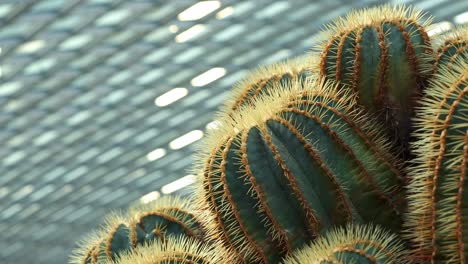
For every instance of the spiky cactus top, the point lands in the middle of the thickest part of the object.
(261, 81)
(277, 174)
(353, 244)
(438, 202)
(451, 46)
(178, 250)
(383, 55)
(167, 216)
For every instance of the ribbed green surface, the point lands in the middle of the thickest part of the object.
(384, 61)
(156, 221)
(451, 46)
(438, 210)
(310, 166)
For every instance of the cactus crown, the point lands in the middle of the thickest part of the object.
(261, 80)
(352, 244)
(177, 250)
(437, 187)
(88, 250)
(373, 17)
(167, 216)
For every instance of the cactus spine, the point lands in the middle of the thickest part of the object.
(451, 46)
(264, 78)
(382, 54)
(167, 216)
(353, 244)
(298, 162)
(177, 250)
(438, 208)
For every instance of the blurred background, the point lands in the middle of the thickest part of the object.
(102, 101)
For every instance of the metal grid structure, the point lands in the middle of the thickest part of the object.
(80, 132)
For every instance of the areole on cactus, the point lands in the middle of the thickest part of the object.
(302, 160)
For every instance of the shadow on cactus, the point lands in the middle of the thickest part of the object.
(167, 216)
(301, 160)
(353, 244)
(438, 209)
(383, 54)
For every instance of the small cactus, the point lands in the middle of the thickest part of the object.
(353, 244)
(175, 250)
(299, 161)
(383, 55)
(167, 216)
(450, 46)
(438, 209)
(261, 80)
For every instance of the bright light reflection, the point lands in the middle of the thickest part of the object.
(198, 10)
(178, 184)
(225, 12)
(156, 154)
(173, 28)
(186, 139)
(170, 97)
(190, 33)
(213, 125)
(438, 28)
(208, 76)
(461, 18)
(150, 197)
(31, 46)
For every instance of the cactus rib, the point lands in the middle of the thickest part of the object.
(295, 162)
(352, 244)
(178, 249)
(436, 193)
(383, 54)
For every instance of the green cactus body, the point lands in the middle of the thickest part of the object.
(382, 54)
(438, 207)
(167, 216)
(261, 80)
(352, 244)
(451, 46)
(178, 250)
(275, 175)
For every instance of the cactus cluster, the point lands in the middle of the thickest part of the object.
(354, 153)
